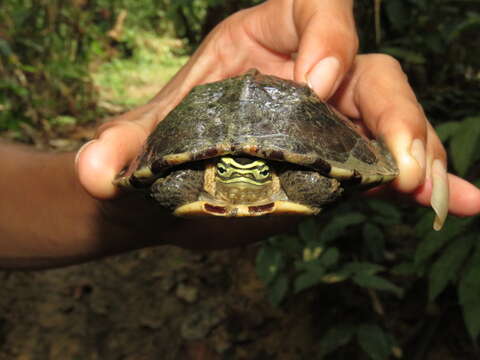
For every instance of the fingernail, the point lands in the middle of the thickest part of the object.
(417, 150)
(323, 78)
(439, 199)
(77, 156)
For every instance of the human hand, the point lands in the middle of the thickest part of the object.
(265, 37)
(389, 110)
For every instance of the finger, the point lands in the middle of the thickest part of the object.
(390, 110)
(464, 196)
(318, 30)
(328, 43)
(320, 33)
(117, 143)
(99, 161)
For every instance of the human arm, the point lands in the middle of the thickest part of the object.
(47, 219)
(42, 209)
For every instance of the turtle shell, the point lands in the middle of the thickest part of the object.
(266, 117)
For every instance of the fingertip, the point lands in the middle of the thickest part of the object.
(328, 44)
(98, 162)
(411, 172)
(464, 197)
(94, 172)
(325, 77)
(82, 148)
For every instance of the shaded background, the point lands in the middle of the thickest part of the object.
(363, 281)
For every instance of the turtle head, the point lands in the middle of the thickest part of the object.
(243, 180)
(243, 170)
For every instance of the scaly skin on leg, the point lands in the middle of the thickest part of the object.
(178, 188)
(309, 187)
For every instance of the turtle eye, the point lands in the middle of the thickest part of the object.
(221, 170)
(265, 173)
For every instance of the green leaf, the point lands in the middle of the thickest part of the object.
(312, 265)
(471, 21)
(385, 209)
(357, 267)
(308, 279)
(335, 277)
(28, 68)
(335, 338)
(374, 241)
(404, 269)
(330, 257)
(339, 224)
(286, 243)
(435, 240)
(383, 221)
(471, 316)
(447, 266)
(469, 286)
(434, 42)
(278, 289)
(308, 230)
(5, 48)
(311, 253)
(469, 295)
(373, 340)
(447, 130)
(377, 283)
(424, 225)
(268, 263)
(464, 145)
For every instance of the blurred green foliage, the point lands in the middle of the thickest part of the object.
(45, 48)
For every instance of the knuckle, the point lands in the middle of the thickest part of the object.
(347, 38)
(343, 42)
(442, 153)
(385, 60)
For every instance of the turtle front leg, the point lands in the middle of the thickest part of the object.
(309, 187)
(177, 188)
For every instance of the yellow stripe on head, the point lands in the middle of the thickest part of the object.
(231, 161)
(255, 172)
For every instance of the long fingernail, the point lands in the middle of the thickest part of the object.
(323, 78)
(439, 199)
(77, 156)
(417, 150)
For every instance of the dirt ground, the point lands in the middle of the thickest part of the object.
(163, 303)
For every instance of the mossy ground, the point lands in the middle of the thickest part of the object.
(133, 79)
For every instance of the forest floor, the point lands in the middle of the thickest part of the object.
(161, 303)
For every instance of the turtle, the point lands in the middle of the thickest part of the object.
(255, 145)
